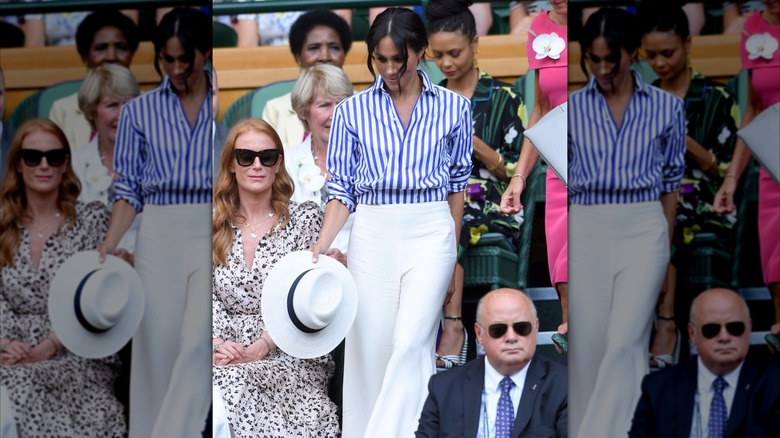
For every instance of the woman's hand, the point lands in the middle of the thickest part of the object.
(510, 200)
(43, 351)
(318, 248)
(724, 199)
(104, 248)
(125, 255)
(227, 352)
(14, 351)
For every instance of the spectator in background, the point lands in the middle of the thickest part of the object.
(53, 392)
(169, 380)
(317, 92)
(693, 10)
(763, 92)
(735, 13)
(102, 37)
(711, 127)
(103, 93)
(317, 37)
(483, 15)
(468, 400)
(267, 392)
(273, 28)
(521, 13)
(496, 111)
(724, 392)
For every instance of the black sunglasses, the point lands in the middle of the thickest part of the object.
(246, 157)
(55, 157)
(499, 329)
(735, 328)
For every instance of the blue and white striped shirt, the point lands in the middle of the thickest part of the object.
(159, 158)
(634, 163)
(374, 160)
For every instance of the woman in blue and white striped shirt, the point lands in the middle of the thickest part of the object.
(400, 157)
(163, 161)
(626, 159)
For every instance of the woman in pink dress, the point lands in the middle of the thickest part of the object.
(550, 90)
(761, 57)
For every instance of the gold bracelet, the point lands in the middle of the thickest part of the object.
(499, 163)
(713, 161)
(733, 175)
(521, 177)
(266, 343)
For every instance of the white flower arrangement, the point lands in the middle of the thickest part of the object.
(761, 45)
(724, 135)
(96, 175)
(548, 45)
(311, 177)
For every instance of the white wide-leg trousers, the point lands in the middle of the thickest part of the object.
(402, 257)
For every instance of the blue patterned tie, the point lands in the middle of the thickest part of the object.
(505, 413)
(716, 425)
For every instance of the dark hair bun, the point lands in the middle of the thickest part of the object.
(438, 9)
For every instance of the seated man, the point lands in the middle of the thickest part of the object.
(723, 393)
(509, 392)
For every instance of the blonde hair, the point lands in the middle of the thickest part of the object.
(105, 80)
(13, 196)
(226, 199)
(329, 80)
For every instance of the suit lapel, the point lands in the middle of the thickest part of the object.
(686, 395)
(472, 397)
(532, 387)
(745, 384)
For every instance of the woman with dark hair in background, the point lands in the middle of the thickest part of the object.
(626, 159)
(498, 133)
(53, 392)
(400, 157)
(102, 37)
(710, 114)
(163, 164)
(317, 37)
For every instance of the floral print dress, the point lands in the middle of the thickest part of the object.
(712, 116)
(67, 395)
(278, 396)
(498, 113)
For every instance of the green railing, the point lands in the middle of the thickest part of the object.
(44, 7)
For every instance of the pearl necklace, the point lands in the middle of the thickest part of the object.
(254, 234)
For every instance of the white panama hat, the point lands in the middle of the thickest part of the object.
(94, 307)
(308, 308)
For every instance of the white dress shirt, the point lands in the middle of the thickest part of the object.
(704, 393)
(491, 392)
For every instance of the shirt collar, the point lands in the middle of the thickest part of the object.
(166, 82)
(427, 85)
(640, 86)
(493, 378)
(706, 377)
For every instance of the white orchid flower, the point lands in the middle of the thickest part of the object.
(311, 176)
(761, 46)
(548, 45)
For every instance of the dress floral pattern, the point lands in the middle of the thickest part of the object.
(711, 116)
(278, 396)
(66, 395)
(498, 112)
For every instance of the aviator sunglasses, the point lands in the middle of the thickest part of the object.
(735, 328)
(246, 157)
(499, 329)
(33, 157)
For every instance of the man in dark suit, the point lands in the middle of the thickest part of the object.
(722, 393)
(471, 400)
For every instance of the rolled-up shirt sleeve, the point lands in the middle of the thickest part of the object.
(674, 150)
(342, 160)
(128, 160)
(461, 149)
